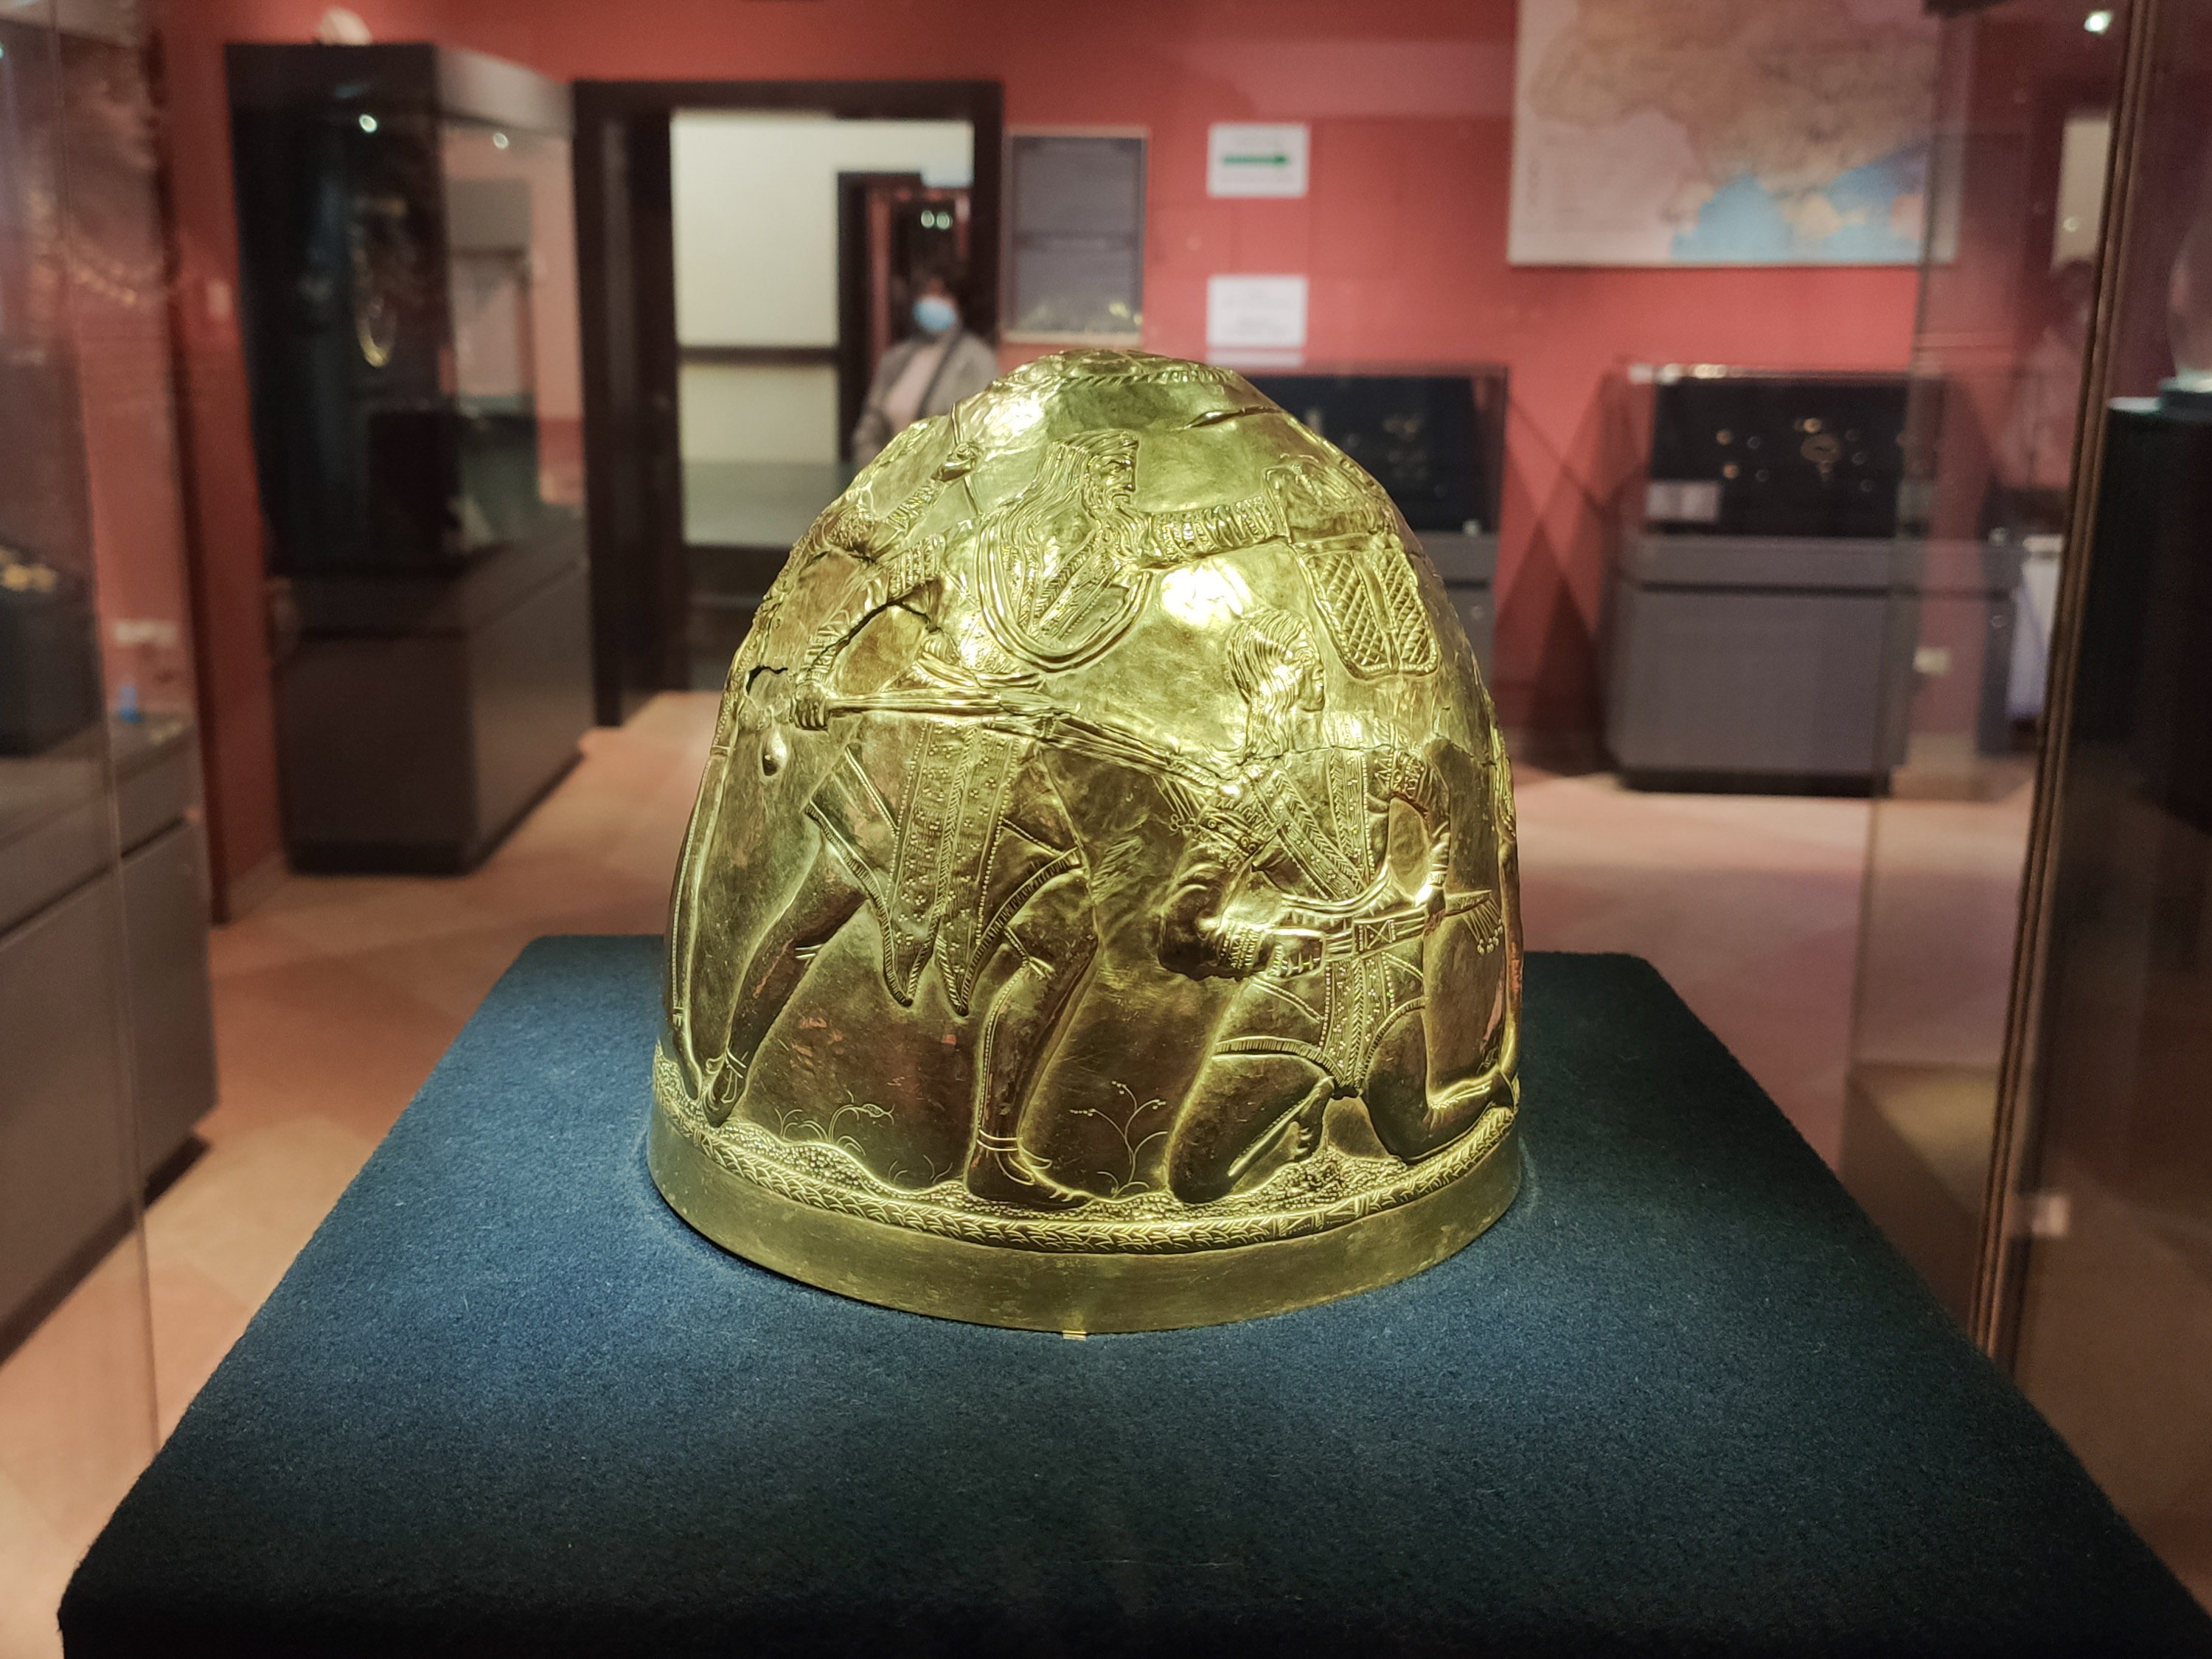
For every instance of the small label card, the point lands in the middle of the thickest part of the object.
(1250, 315)
(1682, 500)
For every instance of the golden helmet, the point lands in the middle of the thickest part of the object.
(1100, 911)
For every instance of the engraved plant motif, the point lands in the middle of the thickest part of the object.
(1125, 1127)
(806, 1128)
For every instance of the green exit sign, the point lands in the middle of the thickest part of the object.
(1243, 159)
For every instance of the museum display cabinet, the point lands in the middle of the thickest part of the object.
(104, 989)
(2002, 324)
(1434, 438)
(2100, 1278)
(2027, 1099)
(1771, 556)
(106, 1051)
(408, 263)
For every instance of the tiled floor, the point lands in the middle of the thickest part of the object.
(334, 999)
(1749, 905)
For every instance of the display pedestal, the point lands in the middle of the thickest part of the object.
(1788, 662)
(1681, 1398)
(64, 901)
(420, 718)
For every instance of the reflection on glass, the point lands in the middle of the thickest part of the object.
(2105, 1302)
(116, 264)
(411, 284)
(511, 293)
(2000, 340)
(2189, 297)
(81, 307)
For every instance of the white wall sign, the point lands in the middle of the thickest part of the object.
(1255, 160)
(1265, 314)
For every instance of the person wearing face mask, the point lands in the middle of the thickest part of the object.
(927, 372)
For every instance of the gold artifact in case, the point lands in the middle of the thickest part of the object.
(1101, 908)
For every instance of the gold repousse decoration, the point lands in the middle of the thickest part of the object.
(1101, 908)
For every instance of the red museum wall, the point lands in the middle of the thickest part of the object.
(1402, 235)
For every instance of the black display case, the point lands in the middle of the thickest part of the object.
(408, 259)
(1770, 575)
(2145, 688)
(49, 670)
(1435, 439)
(1739, 452)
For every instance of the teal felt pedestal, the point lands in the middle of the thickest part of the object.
(1682, 1399)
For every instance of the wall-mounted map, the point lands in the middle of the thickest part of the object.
(1720, 132)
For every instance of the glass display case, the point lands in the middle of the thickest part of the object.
(1737, 452)
(2026, 1114)
(2002, 325)
(2098, 1266)
(1759, 588)
(408, 259)
(106, 1044)
(409, 295)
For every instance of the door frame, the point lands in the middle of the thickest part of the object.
(626, 279)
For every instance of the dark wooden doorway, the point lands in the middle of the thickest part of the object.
(641, 571)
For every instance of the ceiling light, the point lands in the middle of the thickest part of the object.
(2097, 21)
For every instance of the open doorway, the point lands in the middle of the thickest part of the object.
(747, 253)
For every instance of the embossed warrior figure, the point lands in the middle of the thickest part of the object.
(1067, 564)
(946, 828)
(1289, 885)
(1058, 571)
(958, 843)
(946, 825)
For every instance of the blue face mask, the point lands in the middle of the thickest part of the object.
(934, 316)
